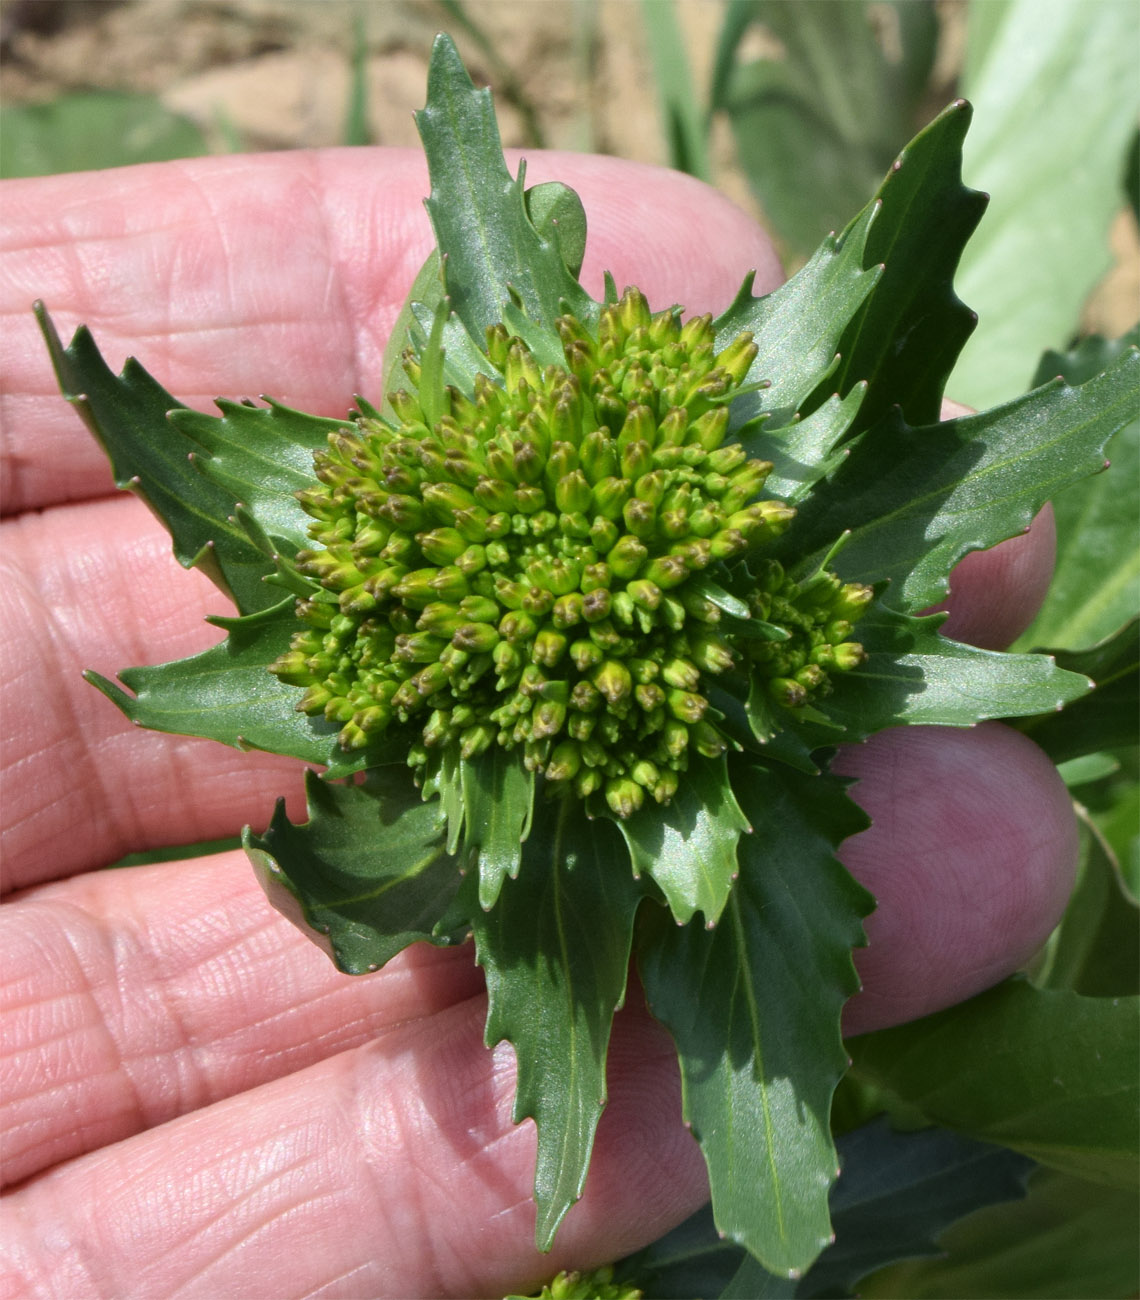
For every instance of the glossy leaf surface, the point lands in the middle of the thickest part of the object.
(227, 693)
(753, 1005)
(478, 211)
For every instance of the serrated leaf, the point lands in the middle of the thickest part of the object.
(754, 1008)
(797, 327)
(261, 456)
(1055, 89)
(127, 413)
(915, 676)
(498, 797)
(803, 452)
(477, 209)
(1096, 579)
(917, 500)
(1106, 717)
(228, 694)
(1044, 1071)
(906, 339)
(367, 874)
(689, 845)
(1068, 1240)
(555, 948)
(897, 1193)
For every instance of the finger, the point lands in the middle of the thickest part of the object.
(96, 587)
(284, 274)
(392, 1169)
(137, 995)
(995, 594)
(130, 997)
(971, 854)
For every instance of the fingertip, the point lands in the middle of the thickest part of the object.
(971, 855)
(995, 594)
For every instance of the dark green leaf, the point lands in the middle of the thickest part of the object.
(128, 414)
(908, 336)
(227, 693)
(689, 846)
(82, 131)
(1106, 717)
(754, 1007)
(1068, 1240)
(897, 1193)
(913, 676)
(490, 246)
(1096, 580)
(1044, 1071)
(367, 874)
(555, 948)
(1095, 950)
(917, 500)
(685, 127)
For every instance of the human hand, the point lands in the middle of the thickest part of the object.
(196, 1101)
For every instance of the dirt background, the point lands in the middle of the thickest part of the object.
(272, 74)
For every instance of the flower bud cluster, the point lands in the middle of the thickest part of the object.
(819, 615)
(518, 572)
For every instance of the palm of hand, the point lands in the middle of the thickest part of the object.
(196, 1099)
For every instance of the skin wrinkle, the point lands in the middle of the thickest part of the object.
(181, 981)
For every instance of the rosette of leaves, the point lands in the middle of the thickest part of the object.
(573, 619)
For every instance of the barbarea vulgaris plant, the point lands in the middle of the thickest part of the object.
(574, 619)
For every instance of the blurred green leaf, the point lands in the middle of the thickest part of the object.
(1055, 91)
(818, 120)
(1067, 1240)
(83, 132)
(1106, 716)
(685, 129)
(1095, 950)
(1044, 1071)
(1096, 582)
